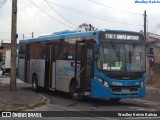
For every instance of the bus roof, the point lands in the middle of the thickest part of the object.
(70, 34)
(59, 36)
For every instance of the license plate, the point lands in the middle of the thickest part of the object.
(125, 90)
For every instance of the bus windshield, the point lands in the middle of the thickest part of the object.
(121, 57)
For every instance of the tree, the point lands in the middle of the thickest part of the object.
(86, 27)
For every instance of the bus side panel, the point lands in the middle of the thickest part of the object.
(64, 73)
(21, 69)
(37, 66)
(99, 90)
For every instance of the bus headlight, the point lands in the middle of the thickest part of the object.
(99, 79)
(105, 83)
(142, 83)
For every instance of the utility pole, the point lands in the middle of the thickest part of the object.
(145, 16)
(145, 29)
(32, 34)
(23, 36)
(13, 46)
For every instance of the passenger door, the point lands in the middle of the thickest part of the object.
(48, 66)
(84, 65)
(27, 63)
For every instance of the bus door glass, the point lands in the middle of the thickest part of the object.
(27, 63)
(84, 65)
(48, 65)
(88, 63)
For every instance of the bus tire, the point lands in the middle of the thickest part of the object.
(35, 83)
(74, 95)
(114, 100)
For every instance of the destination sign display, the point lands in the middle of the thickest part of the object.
(121, 36)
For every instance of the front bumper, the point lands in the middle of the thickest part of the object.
(98, 90)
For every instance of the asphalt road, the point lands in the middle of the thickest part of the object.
(88, 104)
(59, 101)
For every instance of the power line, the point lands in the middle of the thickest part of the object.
(104, 19)
(6, 35)
(59, 14)
(49, 14)
(113, 8)
(2, 3)
(83, 11)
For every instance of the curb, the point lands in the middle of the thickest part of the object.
(2, 84)
(58, 107)
(41, 102)
(31, 106)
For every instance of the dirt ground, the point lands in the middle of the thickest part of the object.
(153, 80)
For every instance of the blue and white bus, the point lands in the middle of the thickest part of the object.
(108, 64)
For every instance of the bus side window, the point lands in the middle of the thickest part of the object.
(22, 51)
(59, 47)
(43, 48)
(68, 51)
(56, 51)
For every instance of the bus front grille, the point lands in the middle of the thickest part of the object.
(122, 89)
(133, 94)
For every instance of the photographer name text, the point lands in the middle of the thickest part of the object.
(147, 1)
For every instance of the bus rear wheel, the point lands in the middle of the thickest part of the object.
(74, 94)
(35, 83)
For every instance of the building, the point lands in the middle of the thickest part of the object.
(153, 57)
(5, 47)
(153, 48)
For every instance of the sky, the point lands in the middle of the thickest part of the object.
(48, 16)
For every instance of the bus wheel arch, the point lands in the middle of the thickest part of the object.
(35, 82)
(74, 95)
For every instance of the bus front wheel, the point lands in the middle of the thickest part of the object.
(74, 94)
(35, 83)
